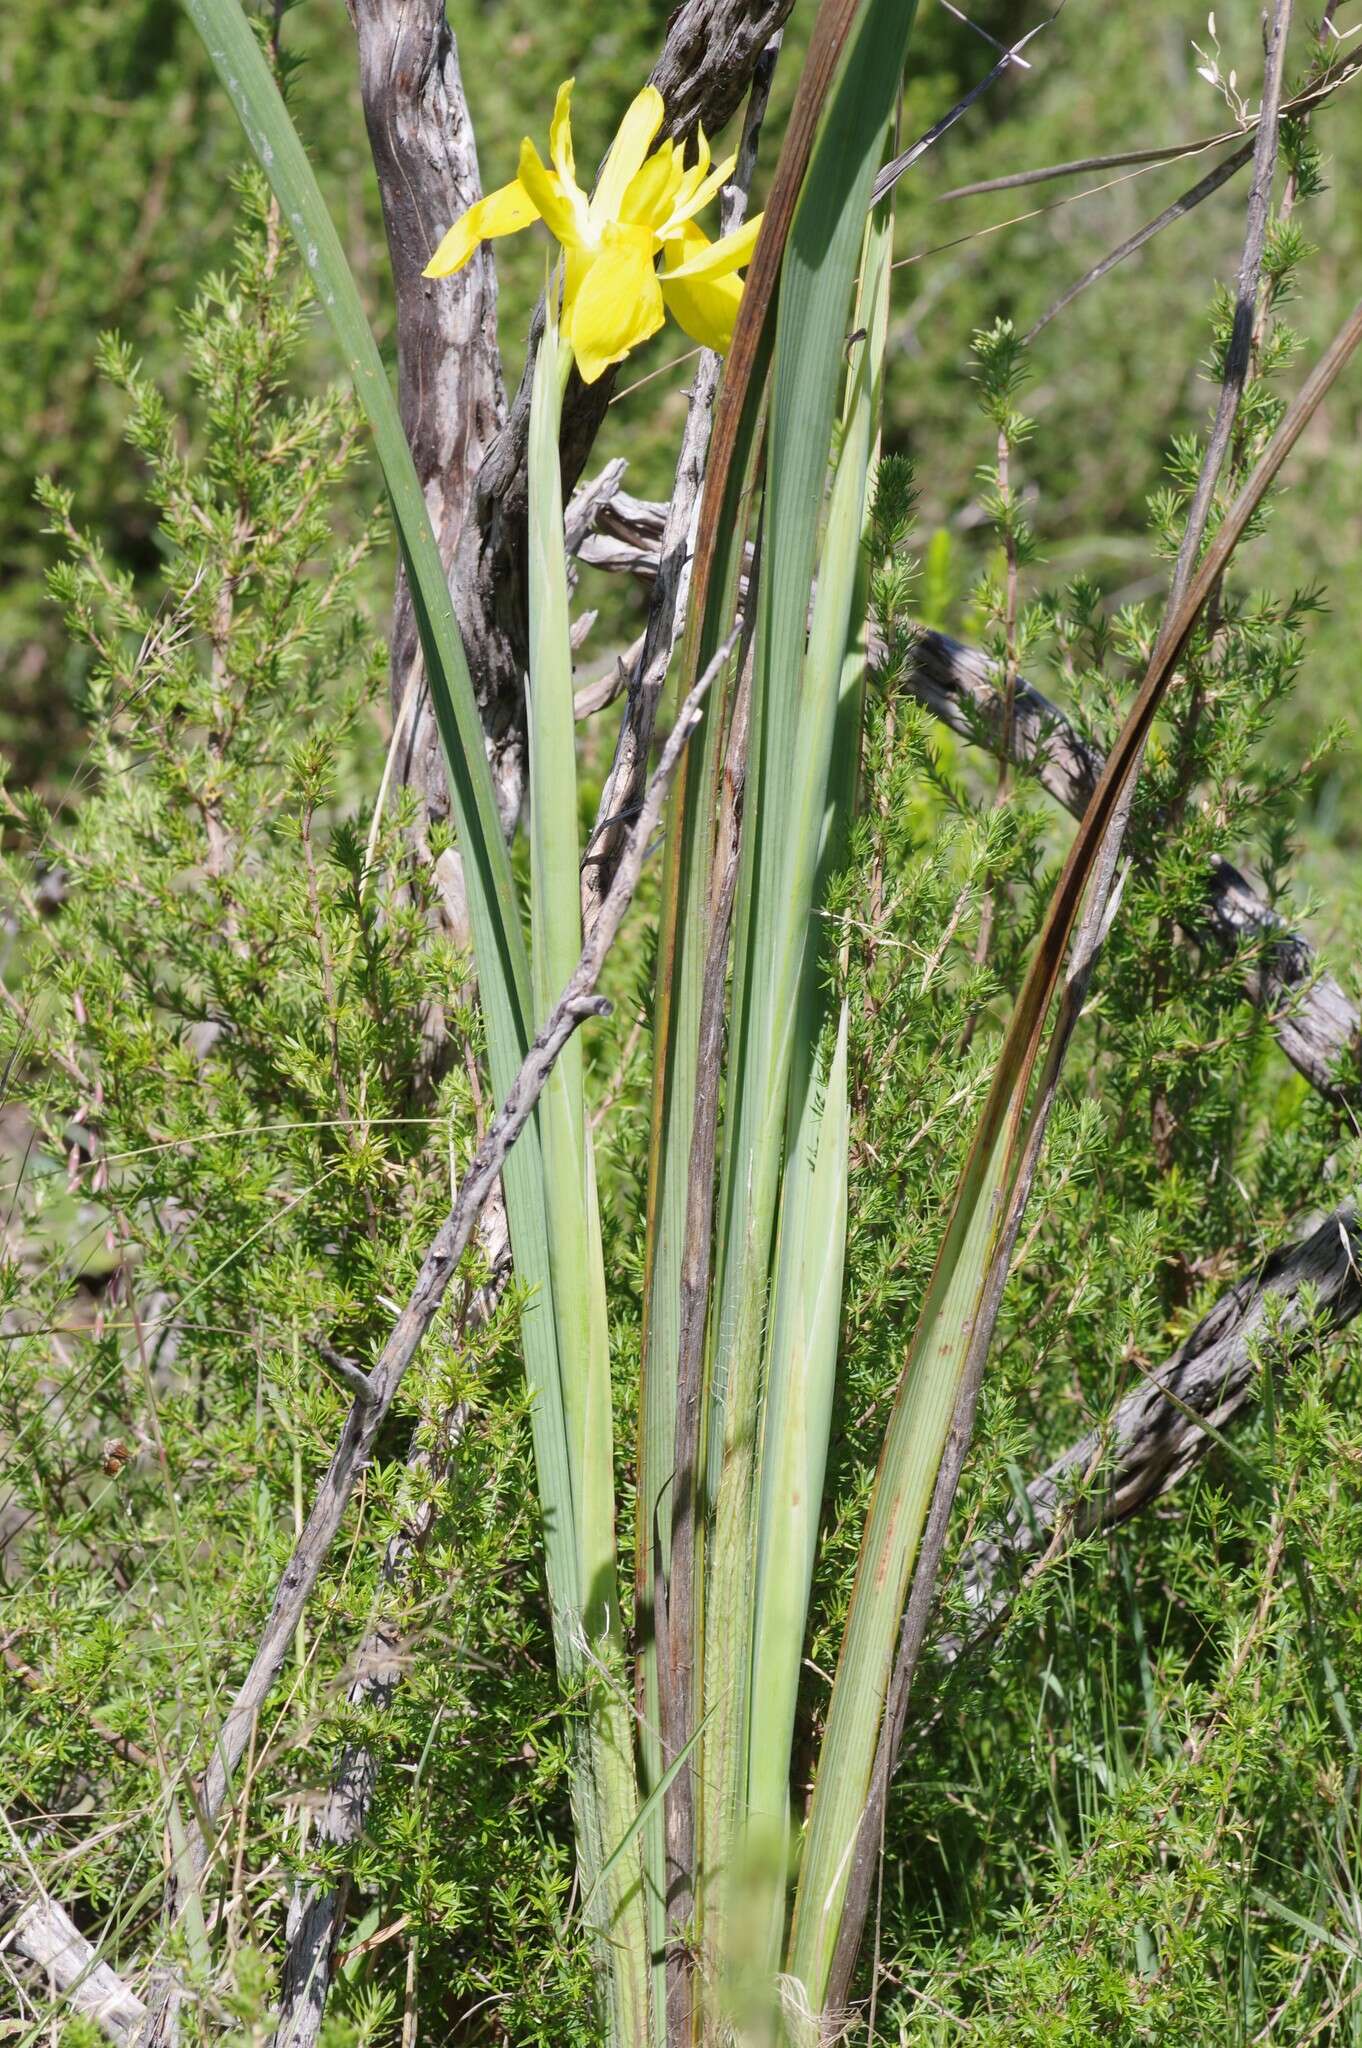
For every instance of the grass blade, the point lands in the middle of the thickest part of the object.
(806, 1303)
(499, 948)
(806, 1295)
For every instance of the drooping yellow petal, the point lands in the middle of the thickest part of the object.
(630, 146)
(649, 200)
(502, 212)
(560, 136)
(555, 205)
(617, 302)
(704, 306)
(702, 258)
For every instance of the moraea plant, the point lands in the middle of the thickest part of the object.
(688, 1845)
(643, 207)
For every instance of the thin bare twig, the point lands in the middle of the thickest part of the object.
(894, 170)
(1301, 103)
(1251, 150)
(577, 1002)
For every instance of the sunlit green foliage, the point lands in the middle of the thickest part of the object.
(240, 1074)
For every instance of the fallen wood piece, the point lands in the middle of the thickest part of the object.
(1155, 1436)
(1316, 1025)
(40, 1930)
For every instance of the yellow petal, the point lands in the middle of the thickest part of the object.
(560, 135)
(616, 303)
(577, 261)
(627, 151)
(648, 201)
(502, 212)
(553, 204)
(704, 307)
(702, 258)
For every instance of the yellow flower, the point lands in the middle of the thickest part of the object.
(643, 207)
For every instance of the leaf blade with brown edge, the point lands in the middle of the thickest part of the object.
(965, 1267)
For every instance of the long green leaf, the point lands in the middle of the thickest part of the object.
(806, 1305)
(794, 709)
(806, 1294)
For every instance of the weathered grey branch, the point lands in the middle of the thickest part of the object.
(1317, 1026)
(578, 1001)
(1154, 1437)
(449, 375)
(45, 1933)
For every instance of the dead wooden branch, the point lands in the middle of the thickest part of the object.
(450, 389)
(1303, 102)
(1317, 1026)
(42, 1931)
(1160, 1431)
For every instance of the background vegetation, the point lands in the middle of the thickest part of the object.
(1134, 1814)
